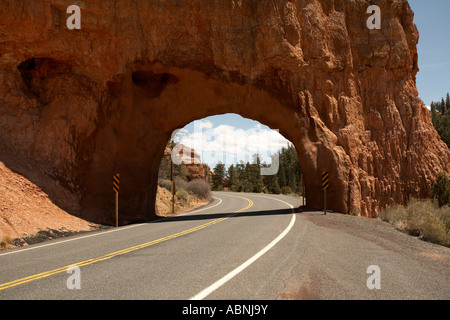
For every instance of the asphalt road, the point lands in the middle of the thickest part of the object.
(240, 246)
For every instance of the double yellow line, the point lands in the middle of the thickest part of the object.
(120, 252)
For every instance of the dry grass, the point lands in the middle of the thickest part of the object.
(183, 202)
(421, 218)
(5, 240)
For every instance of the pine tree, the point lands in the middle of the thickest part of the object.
(443, 128)
(218, 177)
(447, 102)
(440, 115)
(233, 182)
(276, 187)
(441, 189)
(282, 173)
(255, 175)
(442, 107)
(289, 172)
(240, 174)
(433, 113)
(246, 177)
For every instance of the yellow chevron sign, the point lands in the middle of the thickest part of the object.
(116, 182)
(325, 183)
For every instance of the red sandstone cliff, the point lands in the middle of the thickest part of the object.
(84, 104)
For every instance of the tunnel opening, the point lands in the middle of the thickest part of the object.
(225, 152)
(137, 122)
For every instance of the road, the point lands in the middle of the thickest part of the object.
(240, 246)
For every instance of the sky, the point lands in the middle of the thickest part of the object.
(239, 138)
(230, 138)
(432, 20)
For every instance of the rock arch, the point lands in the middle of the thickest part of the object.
(153, 100)
(82, 104)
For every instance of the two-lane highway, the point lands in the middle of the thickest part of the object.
(240, 246)
(174, 258)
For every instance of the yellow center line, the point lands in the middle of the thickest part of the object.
(120, 252)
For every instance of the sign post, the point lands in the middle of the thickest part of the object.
(303, 191)
(325, 187)
(116, 183)
(173, 186)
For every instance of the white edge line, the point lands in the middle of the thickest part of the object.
(205, 208)
(68, 240)
(204, 293)
(93, 235)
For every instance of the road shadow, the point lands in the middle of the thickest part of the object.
(207, 216)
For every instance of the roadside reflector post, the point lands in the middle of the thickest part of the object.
(325, 176)
(116, 184)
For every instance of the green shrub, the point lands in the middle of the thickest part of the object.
(441, 189)
(286, 190)
(180, 183)
(275, 189)
(199, 187)
(395, 216)
(434, 230)
(183, 196)
(421, 218)
(164, 183)
(444, 215)
(417, 213)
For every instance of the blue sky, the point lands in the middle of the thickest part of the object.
(432, 20)
(433, 82)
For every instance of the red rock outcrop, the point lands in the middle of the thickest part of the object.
(192, 161)
(84, 104)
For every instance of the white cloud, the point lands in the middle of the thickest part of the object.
(206, 124)
(229, 144)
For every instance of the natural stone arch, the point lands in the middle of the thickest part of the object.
(344, 94)
(150, 101)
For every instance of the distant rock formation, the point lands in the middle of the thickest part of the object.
(192, 161)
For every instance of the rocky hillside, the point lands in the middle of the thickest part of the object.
(25, 209)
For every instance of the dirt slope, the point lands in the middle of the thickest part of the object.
(25, 209)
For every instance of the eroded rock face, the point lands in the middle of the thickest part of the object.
(196, 170)
(84, 104)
